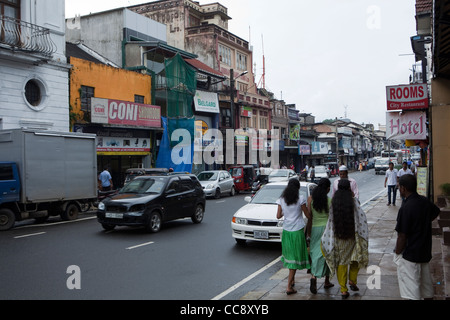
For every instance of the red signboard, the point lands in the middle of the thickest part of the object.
(407, 97)
(117, 112)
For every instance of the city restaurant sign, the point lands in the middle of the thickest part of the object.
(116, 112)
(407, 97)
(410, 125)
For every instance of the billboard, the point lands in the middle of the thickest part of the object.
(117, 112)
(407, 125)
(407, 97)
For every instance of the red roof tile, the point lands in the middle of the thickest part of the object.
(424, 6)
(203, 67)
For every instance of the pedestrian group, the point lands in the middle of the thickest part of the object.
(338, 234)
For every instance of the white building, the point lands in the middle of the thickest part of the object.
(34, 79)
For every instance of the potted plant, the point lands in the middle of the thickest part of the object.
(446, 192)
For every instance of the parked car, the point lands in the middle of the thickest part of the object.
(257, 220)
(282, 175)
(216, 182)
(320, 172)
(149, 201)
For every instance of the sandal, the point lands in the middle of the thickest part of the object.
(328, 285)
(353, 286)
(293, 291)
(345, 295)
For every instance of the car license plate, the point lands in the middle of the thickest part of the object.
(114, 215)
(261, 234)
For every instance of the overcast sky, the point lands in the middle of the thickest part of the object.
(320, 55)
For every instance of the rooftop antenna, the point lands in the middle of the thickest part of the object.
(263, 77)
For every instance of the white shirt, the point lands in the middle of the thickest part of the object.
(402, 172)
(353, 186)
(391, 176)
(293, 216)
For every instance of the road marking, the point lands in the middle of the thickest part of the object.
(54, 223)
(29, 235)
(250, 277)
(140, 245)
(222, 201)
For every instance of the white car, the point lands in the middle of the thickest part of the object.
(257, 220)
(320, 172)
(217, 182)
(282, 175)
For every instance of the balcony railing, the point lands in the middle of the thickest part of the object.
(25, 36)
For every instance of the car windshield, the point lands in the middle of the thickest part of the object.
(207, 176)
(144, 186)
(236, 172)
(320, 170)
(279, 173)
(270, 194)
(382, 162)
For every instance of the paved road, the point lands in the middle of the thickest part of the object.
(183, 261)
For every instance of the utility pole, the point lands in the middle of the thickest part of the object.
(232, 98)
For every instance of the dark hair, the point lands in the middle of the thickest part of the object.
(290, 193)
(343, 211)
(409, 182)
(320, 195)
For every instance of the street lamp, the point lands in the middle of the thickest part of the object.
(232, 85)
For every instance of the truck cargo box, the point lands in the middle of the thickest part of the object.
(53, 166)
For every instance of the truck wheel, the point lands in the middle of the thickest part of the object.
(7, 219)
(71, 212)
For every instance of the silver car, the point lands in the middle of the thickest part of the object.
(216, 182)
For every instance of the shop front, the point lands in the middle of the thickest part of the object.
(126, 135)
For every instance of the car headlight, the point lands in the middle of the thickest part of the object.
(210, 186)
(101, 206)
(239, 220)
(280, 223)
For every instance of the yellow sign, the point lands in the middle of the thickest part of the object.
(422, 181)
(201, 126)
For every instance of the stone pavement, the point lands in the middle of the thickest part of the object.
(382, 239)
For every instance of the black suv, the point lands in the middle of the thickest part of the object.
(151, 200)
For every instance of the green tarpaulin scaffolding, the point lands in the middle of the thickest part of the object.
(181, 88)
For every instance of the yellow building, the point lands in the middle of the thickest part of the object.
(114, 104)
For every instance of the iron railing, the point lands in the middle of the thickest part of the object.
(25, 36)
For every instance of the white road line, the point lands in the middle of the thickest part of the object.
(54, 223)
(140, 245)
(222, 201)
(29, 235)
(250, 277)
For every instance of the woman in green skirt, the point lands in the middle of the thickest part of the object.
(319, 206)
(293, 242)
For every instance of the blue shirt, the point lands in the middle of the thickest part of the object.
(104, 177)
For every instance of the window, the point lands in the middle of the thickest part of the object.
(86, 94)
(241, 61)
(139, 99)
(10, 8)
(225, 117)
(225, 54)
(33, 93)
(6, 172)
(245, 122)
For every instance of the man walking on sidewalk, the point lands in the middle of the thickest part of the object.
(413, 247)
(391, 180)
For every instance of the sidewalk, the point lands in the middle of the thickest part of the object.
(382, 239)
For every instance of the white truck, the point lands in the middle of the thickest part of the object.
(44, 174)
